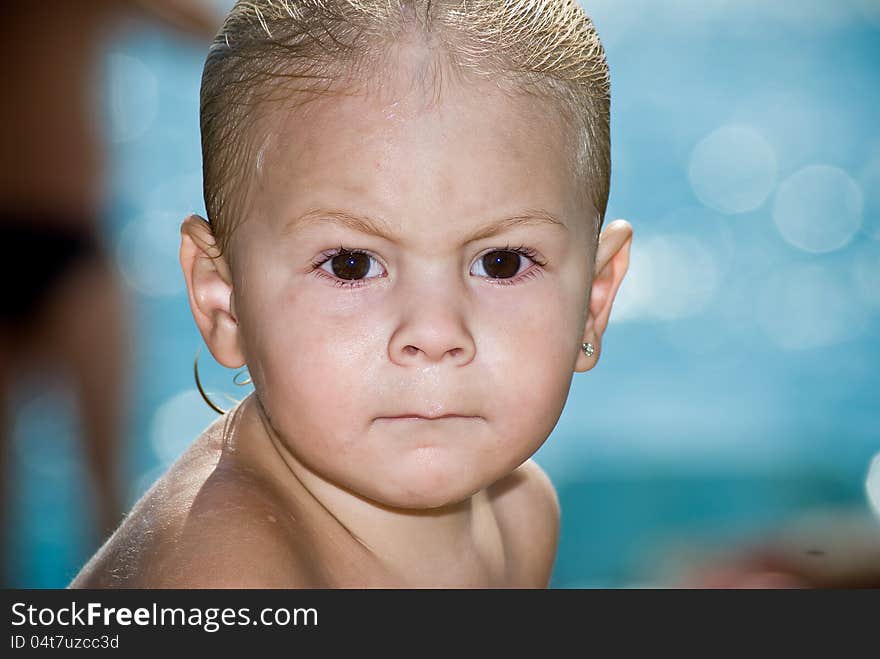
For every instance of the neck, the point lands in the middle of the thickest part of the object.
(412, 544)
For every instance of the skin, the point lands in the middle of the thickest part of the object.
(312, 476)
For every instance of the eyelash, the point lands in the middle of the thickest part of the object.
(523, 250)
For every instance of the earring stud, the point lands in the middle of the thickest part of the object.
(588, 349)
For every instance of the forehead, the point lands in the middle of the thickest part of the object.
(421, 162)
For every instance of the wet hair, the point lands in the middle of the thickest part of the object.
(294, 51)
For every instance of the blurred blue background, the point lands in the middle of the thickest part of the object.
(738, 388)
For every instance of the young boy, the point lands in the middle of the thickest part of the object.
(404, 202)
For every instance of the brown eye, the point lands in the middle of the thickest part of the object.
(501, 264)
(350, 265)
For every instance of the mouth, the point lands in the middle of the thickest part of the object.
(423, 417)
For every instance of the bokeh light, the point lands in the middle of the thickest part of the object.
(818, 209)
(670, 276)
(733, 169)
(872, 485)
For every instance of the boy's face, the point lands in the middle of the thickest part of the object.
(423, 327)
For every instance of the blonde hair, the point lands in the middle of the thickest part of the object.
(545, 48)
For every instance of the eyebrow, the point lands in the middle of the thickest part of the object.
(377, 227)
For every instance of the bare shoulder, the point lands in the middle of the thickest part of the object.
(202, 525)
(237, 534)
(527, 509)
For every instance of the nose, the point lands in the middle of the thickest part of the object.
(432, 330)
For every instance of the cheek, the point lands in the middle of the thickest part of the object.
(311, 364)
(530, 354)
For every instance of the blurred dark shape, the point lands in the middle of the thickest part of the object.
(63, 307)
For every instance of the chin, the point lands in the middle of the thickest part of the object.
(430, 483)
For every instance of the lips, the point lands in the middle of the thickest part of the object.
(426, 417)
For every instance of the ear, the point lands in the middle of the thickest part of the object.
(612, 261)
(209, 284)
